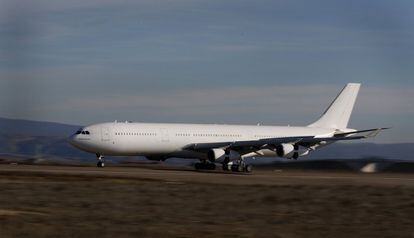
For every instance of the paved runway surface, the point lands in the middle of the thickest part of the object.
(155, 201)
(259, 177)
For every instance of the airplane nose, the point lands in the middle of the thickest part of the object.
(72, 140)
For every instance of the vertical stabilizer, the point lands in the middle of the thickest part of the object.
(338, 113)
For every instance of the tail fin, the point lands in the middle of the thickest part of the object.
(338, 113)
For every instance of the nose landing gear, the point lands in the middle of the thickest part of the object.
(101, 161)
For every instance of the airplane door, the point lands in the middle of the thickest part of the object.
(164, 135)
(105, 134)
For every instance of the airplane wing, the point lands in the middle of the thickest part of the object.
(248, 146)
(254, 144)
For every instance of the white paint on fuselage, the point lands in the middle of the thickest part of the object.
(168, 140)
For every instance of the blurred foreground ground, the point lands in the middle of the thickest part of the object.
(63, 201)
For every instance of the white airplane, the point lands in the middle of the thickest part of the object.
(228, 145)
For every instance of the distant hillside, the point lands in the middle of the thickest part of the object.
(49, 140)
(40, 147)
(363, 150)
(34, 128)
(37, 139)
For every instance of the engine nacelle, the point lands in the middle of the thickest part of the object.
(218, 155)
(286, 151)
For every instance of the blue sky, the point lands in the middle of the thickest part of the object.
(273, 62)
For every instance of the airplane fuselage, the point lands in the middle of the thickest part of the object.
(223, 144)
(157, 140)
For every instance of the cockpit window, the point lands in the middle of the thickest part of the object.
(81, 131)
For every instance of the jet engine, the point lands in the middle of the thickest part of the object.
(287, 151)
(218, 155)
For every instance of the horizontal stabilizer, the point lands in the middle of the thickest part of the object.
(374, 132)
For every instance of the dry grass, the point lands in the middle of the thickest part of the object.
(69, 206)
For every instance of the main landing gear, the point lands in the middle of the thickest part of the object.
(240, 166)
(101, 161)
(204, 165)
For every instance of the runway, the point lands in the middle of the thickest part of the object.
(156, 201)
(188, 175)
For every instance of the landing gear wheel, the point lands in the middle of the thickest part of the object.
(248, 168)
(226, 164)
(100, 164)
(212, 166)
(101, 161)
(204, 165)
(241, 168)
(235, 167)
